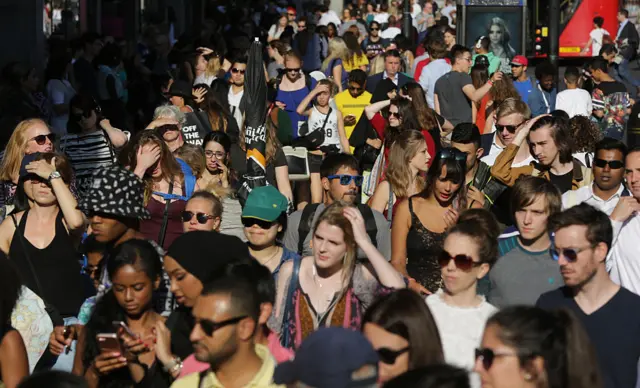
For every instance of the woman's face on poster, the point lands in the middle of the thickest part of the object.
(495, 34)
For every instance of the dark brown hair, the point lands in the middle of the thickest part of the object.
(557, 337)
(527, 188)
(481, 226)
(560, 133)
(404, 313)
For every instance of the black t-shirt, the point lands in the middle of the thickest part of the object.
(239, 163)
(562, 182)
(611, 87)
(197, 127)
(85, 74)
(614, 330)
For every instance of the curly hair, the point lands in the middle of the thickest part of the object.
(585, 133)
(503, 89)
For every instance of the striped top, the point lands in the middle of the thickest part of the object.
(87, 153)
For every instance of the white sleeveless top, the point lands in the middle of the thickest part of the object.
(331, 136)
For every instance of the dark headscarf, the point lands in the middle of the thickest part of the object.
(205, 254)
(383, 87)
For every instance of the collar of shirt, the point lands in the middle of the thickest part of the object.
(624, 23)
(619, 193)
(395, 78)
(262, 379)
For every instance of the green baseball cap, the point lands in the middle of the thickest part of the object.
(265, 203)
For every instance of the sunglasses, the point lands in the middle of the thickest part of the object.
(374, 29)
(613, 164)
(167, 128)
(453, 153)
(462, 262)
(208, 327)
(292, 70)
(89, 270)
(42, 139)
(510, 128)
(395, 114)
(291, 14)
(355, 88)
(201, 217)
(488, 356)
(217, 154)
(571, 254)
(345, 180)
(262, 224)
(236, 71)
(389, 356)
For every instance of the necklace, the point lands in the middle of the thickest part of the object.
(272, 257)
(327, 296)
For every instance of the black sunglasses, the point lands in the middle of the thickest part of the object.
(488, 356)
(571, 254)
(510, 128)
(395, 114)
(453, 153)
(167, 128)
(463, 262)
(389, 356)
(201, 217)
(42, 139)
(374, 29)
(345, 180)
(249, 222)
(292, 70)
(234, 70)
(613, 164)
(208, 327)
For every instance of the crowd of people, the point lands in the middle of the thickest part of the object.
(455, 223)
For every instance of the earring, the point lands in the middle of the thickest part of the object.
(528, 377)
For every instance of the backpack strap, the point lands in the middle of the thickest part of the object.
(189, 178)
(370, 223)
(305, 224)
(165, 216)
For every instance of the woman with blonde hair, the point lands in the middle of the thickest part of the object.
(408, 159)
(28, 137)
(376, 65)
(334, 65)
(331, 288)
(165, 188)
(209, 64)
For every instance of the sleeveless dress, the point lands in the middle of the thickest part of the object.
(57, 267)
(423, 248)
(151, 227)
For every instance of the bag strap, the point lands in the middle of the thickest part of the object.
(287, 340)
(305, 225)
(324, 124)
(390, 205)
(165, 216)
(26, 253)
(370, 223)
(110, 145)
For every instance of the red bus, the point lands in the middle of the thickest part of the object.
(576, 22)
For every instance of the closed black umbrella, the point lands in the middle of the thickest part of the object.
(255, 96)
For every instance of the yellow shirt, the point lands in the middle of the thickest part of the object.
(356, 62)
(348, 105)
(262, 379)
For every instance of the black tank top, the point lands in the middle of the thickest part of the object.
(57, 267)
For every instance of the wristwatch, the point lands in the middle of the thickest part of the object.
(54, 175)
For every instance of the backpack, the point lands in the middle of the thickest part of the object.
(307, 218)
(189, 183)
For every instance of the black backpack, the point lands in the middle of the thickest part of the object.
(307, 218)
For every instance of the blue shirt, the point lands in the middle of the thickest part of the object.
(524, 89)
(542, 101)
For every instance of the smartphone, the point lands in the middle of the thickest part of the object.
(109, 343)
(119, 324)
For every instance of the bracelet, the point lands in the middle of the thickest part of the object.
(176, 368)
(176, 361)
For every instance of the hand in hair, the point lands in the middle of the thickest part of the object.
(198, 94)
(146, 157)
(42, 168)
(357, 223)
(524, 131)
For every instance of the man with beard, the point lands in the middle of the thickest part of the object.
(236, 91)
(610, 314)
(351, 102)
(341, 182)
(608, 173)
(525, 269)
(227, 319)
